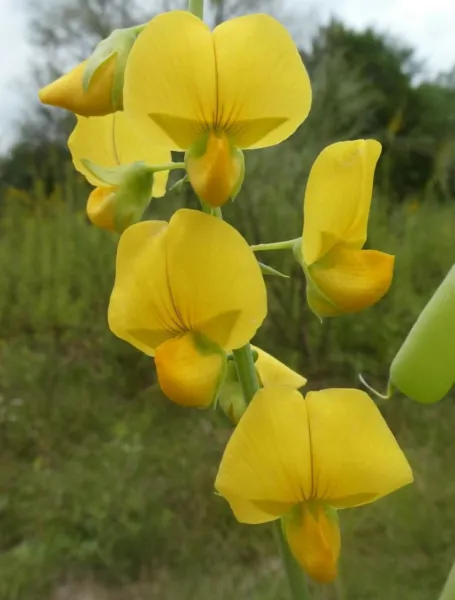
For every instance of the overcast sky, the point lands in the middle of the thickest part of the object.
(428, 25)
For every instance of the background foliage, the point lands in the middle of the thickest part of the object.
(106, 489)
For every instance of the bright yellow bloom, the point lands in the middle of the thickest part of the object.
(110, 142)
(68, 91)
(212, 93)
(301, 459)
(270, 371)
(187, 292)
(341, 277)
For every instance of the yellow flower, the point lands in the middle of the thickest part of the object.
(341, 277)
(212, 93)
(187, 292)
(109, 142)
(301, 459)
(95, 87)
(270, 371)
(68, 91)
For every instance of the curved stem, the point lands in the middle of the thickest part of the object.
(196, 7)
(287, 245)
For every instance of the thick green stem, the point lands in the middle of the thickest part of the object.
(296, 577)
(287, 245)
(247, 372)
(448, 593)
(196, 7)
(244, 362)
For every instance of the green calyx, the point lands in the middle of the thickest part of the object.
(119, 43)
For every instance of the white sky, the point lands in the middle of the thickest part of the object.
(427, 25)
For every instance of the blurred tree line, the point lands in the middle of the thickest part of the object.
(414, 118)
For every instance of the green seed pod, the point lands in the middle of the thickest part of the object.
(424, 368)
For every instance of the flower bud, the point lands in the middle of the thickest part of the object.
(116, 207)
(215, 168)
(95, 86)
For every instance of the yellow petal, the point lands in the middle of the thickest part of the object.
(215, 169)
(196, 274)
(110, 141)
(355, 456)
(100, 207)
(338, 197)
(266, 467)
(215, 280)
(190, 370)
(141, 310)
(347, 281)
(68, 92)
(271, 371)
(313, 535)
(170, 80)
(264, 92)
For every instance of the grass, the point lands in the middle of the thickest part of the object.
(106, 488)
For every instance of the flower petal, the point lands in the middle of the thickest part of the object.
(68, 91)
(190, 370)
(215, 169)
(216, 283)
(313, 535)
(110, 141)
(347, 281)
(356, 458)
(100, 207)
(273, 372)
(141, 310)
(267, 462)
(170, 80)
(338, 197)
(264, 91)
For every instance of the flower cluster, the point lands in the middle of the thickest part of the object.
(190, 292)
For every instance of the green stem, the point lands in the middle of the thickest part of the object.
(287, 245)
(196, 7)
(247, 371)
(168, 167)
(296, 577)
(448, 593)
(244, 362)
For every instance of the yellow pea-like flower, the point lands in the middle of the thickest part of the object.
(110, 142)
(341, 277)
(68, 90)
(212, 94)
(270, 371)
(301, 459)
(187, 292)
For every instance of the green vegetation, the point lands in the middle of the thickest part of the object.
(103, 479)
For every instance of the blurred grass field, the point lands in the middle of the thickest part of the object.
(107, 488)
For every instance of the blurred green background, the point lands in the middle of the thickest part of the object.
(106, 488)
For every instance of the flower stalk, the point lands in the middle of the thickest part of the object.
(196, 7)
(287, 245)
(448, 593)
(244, 362)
